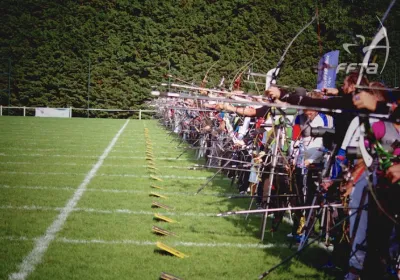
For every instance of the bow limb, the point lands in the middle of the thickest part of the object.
(240, 72)
(366, 153)
(382, 33)
(378, 37)
(204, 81)
(282, 58)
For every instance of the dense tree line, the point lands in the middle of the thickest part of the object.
(111, 52)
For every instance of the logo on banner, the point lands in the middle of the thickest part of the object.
(370, 68)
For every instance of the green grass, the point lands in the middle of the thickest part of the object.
(108, 235)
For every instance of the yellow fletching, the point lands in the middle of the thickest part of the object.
(163, 218)
(155, 178)
(162, 231)
(157, 204)
(157, 195)
(171, 250)
(157, 187)
(167, 276)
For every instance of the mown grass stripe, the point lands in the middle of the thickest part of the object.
(45, 163)
(86, 164)
(128, 151)
(69, 188)
(82, 156)
(106, 175)
(41, 173)
(152, 243)
(102, 211)
(30, 261)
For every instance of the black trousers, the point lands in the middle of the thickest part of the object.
(379, 230)
(303, 199)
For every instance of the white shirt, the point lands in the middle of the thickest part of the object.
(311, 148)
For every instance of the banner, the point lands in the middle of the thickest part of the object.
(327, 70)
(53, 112)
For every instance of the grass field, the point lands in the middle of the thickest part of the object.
(75, 204)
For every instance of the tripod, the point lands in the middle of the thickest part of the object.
(279, 133)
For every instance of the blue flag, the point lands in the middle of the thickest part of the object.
(327, 70)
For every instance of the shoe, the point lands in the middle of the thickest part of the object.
(301, 238)
(298, 237)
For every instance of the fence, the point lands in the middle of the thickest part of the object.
(79, 112)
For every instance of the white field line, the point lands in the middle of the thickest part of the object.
(44, 155)
(67, 188)
(179, 167)
(103, 211)
(167, 177)
(42, 173)
(80, 156)
(134, 146)
(68, 145)
(30, 261)
(62, 132)
(42, 150)
(159, 176)
(46, 163)
(86, 164)
(61, 188)
(38, 130)
(152, 243)
(131, 143)
(51, 133)
(134, 152)
(60, 140)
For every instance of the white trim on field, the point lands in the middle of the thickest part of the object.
(69, 188)
(152, 243)
(83, 156)
(103, 211)
(86, 164)
(34, 258)
(167, 177)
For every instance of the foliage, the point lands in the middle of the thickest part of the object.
(108, 54)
